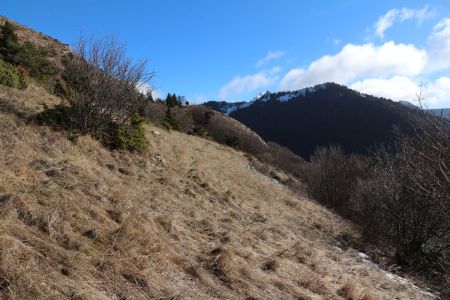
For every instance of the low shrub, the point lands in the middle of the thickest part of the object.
(35, 60)
(132, 137)
(10, 76)
(27, 56)
(170, 122)
(155, 111)
(128, 136)
(331, 177)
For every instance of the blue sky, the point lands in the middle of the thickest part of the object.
(232, 50)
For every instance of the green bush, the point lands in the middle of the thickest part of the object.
(10, 77)
(35, 60)
(9, 45)
(32, 59)
(170, 120)
(132, 136)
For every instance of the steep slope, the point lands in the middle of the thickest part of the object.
(190, 219)
(327, 114)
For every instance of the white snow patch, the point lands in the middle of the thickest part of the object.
(262, 97)
(363, 255)
(394, 277)
(302, 92)
(366, 259)
(235, 107)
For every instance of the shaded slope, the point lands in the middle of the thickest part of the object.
(327, 114)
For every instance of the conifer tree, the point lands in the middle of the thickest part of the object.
(9, 46)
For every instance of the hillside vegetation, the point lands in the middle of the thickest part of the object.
(87, 213)
(190, 219)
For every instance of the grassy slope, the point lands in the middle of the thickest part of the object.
(190, 219)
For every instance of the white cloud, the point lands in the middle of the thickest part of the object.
(356, 62)
(271, 55)
(435, 93)
(249, 83)
(396, 88)
(439, 46)
(400, 15)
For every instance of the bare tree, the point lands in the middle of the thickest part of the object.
(105, 84)
(331, 177)
(406, 198)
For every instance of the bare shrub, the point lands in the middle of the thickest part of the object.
(406, 198)
(104, 84)
(155, 111)
(331, 177)
(284, 158)
(184, 119)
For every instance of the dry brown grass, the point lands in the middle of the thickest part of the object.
(190, 219)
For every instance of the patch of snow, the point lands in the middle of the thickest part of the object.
(266, 96)
(394, 277)
(363, 255)
(262, 97)
(286, 97)
(235, 107)
(403, 281)
(302, 92)
(338, 249)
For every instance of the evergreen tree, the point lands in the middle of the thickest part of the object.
(9, 45)
(172, 100)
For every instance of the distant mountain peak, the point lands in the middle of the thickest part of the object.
(319, 116)
(284, 96)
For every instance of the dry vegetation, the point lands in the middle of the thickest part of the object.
(189, 219)
(56, 49)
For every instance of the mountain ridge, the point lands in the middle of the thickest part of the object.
(320, 116)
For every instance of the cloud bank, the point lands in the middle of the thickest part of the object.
(397, 71)
(240, 85)
(391, 70)
(354, 62)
